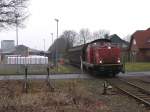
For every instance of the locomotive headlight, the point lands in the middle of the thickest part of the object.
(118, 61)
(100, 62)
(109, 47)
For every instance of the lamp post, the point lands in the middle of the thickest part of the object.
(56, 43)
(52, 37)
(44, 51)
(16, 16)
(44, 44)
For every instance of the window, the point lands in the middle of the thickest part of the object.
(134, 42)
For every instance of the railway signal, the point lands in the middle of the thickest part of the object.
(25, 88)
(48, 80)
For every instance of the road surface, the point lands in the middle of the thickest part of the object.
(56, 76)
(66, 76)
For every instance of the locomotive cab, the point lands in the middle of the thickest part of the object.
(102, 56)
(105, 53)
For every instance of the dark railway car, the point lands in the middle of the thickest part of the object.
(74, 55)
(99, 55)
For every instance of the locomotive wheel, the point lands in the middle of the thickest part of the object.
(114, 75)
(90, 70)
(84, 68)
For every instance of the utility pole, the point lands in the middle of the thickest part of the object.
(16, 29)
(44, 44)
(52, 37)
(44, 50)
(56, 45)
(16, 16)
(54, 50)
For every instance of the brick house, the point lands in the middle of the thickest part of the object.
(139, 47)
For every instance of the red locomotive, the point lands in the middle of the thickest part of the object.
(99, 55)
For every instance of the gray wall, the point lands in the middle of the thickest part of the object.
(7, 69)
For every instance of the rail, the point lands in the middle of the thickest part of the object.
(132, 90)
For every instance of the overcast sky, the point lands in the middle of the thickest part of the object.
(122, 17)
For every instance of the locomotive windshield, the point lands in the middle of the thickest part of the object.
(102, 44)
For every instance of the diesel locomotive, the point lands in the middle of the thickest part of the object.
(99, 55)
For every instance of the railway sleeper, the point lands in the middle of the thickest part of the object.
(142, 100)
(139, 94)
(147, 98)
(144, 96)
(139, 88)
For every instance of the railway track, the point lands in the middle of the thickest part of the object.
(145, 80)
(131, 89)
(142, 82)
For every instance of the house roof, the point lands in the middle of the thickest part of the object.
(142, 39)
(21, 48)
(116, 39)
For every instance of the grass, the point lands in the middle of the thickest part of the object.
(67, 69)
(38, 70)
(137, 67)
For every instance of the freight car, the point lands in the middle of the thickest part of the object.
(100, 56)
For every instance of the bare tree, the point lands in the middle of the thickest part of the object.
(85, 35)
(128, 38)
(100, 34)
(69, 36)
(12, 12)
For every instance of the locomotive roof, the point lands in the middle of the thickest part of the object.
(101, 40)
(78, 48)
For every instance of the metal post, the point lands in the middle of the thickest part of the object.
(48, 72)
(105, 88)
(26, 85)
(26, 72)
(48, 81)
(81, 66)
